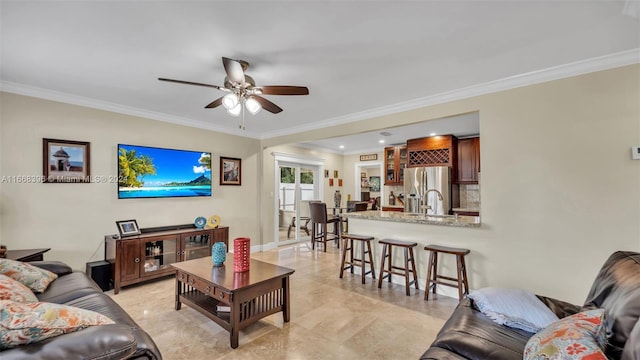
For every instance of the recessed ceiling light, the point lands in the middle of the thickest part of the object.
(381, 141)
(341, 146)
(432, 134)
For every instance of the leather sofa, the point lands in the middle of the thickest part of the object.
(122, 340)
(468, 334)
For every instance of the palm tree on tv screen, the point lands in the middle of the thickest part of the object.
(205, 160)
(132, 168)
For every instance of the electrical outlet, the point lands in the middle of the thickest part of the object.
(635, 152)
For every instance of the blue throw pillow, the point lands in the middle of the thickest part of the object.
(515, 308)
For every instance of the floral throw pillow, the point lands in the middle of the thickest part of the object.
(33, 277)
(581, 336)
(25, 323)
(13, 290)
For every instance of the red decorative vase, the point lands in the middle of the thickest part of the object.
(241, 259)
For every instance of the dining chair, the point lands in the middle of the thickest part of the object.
(319, 222)
(353, 206)
(305, 217)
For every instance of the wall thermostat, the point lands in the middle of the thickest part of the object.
(635, 152)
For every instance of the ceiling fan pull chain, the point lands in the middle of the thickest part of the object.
(242, 114)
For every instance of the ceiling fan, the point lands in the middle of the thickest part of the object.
(243, 92)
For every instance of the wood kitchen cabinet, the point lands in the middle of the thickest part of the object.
(432, 151)
(468, 165)
(150, 255)
(395, 161)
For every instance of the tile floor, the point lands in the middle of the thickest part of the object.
(331, 318)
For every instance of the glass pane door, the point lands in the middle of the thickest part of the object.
(159, 253)
(297, 185)
(197, 245)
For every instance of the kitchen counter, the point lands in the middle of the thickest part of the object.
(449, 220)
(466, 209)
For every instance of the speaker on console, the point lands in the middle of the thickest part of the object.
(100, 272)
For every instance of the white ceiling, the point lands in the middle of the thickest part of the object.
(357, 58)
(461, 126)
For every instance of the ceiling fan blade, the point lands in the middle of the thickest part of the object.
(215, 103)
(192, 83)
(283, 90)
(268, 105)
(234, 70)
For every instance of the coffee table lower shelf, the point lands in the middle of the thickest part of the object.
(208, 306)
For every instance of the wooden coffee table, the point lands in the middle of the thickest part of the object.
(250, 295)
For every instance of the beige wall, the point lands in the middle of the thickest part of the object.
(559, 189)
(72, 219)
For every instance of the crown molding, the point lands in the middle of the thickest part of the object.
(531, 78)
(21, 89)
(319, 148)
(535, 77)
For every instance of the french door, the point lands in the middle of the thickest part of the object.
(297, 182)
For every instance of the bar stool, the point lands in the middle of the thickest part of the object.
(387, 246)
(319, 222)
(365, 248)
(461, 280)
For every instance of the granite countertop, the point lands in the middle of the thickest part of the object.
(466, 209)
(395, 216)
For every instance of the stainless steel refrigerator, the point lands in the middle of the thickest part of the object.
(427, 190)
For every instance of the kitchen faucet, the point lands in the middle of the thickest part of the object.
(426, 194)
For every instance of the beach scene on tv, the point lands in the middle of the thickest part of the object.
(148, 172)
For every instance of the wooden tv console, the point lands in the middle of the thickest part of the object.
(149, 255)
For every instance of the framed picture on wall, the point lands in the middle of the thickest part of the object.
(374, 183)
(230, 171)
(65, 161)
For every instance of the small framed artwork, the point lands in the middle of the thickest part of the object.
(330, 181)
(230, 171)
(128, 227)
(368, 157)
(65, 161)
(335, 173)
(339, 182)
(326, 173)
(374, 183)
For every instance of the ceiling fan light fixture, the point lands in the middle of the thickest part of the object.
(253, 106)
(235, 111)
(242, 93)
(230, 101)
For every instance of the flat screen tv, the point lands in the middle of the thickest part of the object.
(151, 172)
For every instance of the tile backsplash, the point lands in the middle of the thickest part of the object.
(470, 196)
